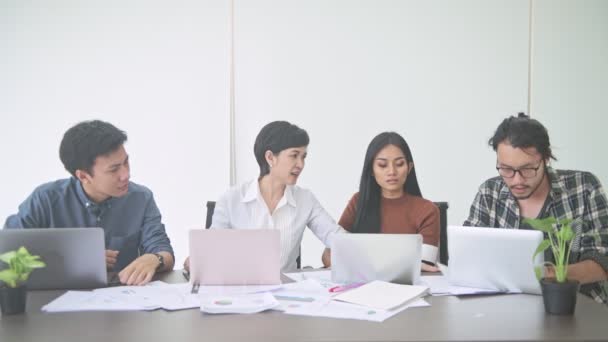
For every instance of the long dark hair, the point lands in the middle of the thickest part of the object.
(367, 219)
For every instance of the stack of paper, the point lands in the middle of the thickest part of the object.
(335, 309)
(439, 286)
(382, 295)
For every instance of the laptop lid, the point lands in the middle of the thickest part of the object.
(365, 257)
(494, 258)
(235, 257)
(74, 257)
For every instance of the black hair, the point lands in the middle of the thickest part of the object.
(523, 132)
(84, 142)
(276, 137)
(367, 219)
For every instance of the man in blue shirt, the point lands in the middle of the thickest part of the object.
(99, 194)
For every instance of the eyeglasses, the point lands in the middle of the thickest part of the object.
(525, 172)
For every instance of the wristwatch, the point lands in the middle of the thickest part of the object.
(161, 261)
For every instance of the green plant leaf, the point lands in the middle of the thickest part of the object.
(566, 233)
(21, 264)
(542, 247)
(545, 225)
(9, 277)
(35, 264)
(8, 256)
(561, 273)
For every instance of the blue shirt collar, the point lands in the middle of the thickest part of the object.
(84, 199)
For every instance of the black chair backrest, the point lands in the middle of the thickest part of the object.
(443, 232)
(211, 208)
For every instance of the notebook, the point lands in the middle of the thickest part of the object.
(361, 258)
(494, 258)
(235, 257)
(382, 295)
(74, 257)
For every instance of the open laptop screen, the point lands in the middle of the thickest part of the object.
(235, 257)
(74, 257)
(365, 257)
(494, 258)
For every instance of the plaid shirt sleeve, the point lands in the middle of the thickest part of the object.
(482, 207)
(478, 212)
(594, 234)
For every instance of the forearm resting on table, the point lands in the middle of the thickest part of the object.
(587, 271)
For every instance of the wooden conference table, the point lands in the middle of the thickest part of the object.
(498, 317)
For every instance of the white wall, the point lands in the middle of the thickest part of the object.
(441, 73)
(570, 81)
(155, 69)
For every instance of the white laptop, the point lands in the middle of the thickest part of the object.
(494, 258)
(74, 257)
(394, 258)
(235, 257)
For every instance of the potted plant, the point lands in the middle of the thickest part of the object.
(559, 293)
(13, 293)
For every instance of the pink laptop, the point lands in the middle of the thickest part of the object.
(235, 257)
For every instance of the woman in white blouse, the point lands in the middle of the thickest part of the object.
(273, 200)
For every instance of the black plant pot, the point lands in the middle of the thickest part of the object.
(559, 298)
(12, 300)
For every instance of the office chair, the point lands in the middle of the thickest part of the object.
(443, 231)
(211, 208)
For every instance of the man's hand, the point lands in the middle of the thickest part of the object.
(140, 271)
(111, 257)
(326, 257)
(187, 264)
(429, 268)
(549, 272)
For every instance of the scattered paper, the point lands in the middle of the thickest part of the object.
(439, 286)
(335, 309)
(243, 304)
(308, 296)
(72, 301)
(323, 277)
(303, 295)
(235, 289)
(157, 295)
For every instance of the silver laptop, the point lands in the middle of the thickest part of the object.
(235, 257)
(74, 257)
(365, 257)
(494, 258)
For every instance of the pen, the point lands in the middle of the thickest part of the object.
(345, 287)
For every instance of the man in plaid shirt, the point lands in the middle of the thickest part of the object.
(529, 188)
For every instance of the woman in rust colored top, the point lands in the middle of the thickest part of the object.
(390, 199)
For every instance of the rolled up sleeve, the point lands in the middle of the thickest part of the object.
(154, 238)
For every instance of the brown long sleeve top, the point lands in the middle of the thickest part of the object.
(405, 215)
